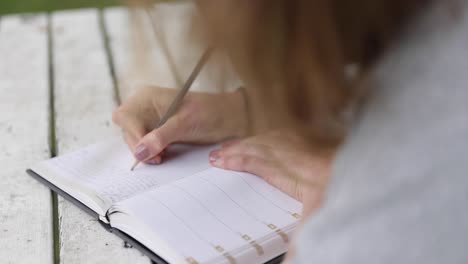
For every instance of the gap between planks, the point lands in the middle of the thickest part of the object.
(84, 96)
(26, 222)
(52, 139)
(109, 55)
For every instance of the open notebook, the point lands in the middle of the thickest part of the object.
(182, 211)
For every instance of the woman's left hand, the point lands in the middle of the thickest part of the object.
(283, 159)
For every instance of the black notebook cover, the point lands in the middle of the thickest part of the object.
(133, 242)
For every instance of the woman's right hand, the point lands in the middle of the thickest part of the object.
(201, 118)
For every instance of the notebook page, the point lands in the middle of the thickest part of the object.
(105, 168)
(215, 215)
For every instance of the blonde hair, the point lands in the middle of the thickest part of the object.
(291, 55)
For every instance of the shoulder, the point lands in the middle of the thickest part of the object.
(399, 188)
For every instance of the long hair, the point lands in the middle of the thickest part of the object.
(291, 55)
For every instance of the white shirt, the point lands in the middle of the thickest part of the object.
(399, 191)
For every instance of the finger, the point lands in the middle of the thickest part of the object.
(243, 147)
(131, 141)
(246, 163)
(157, 140)
(269, 170)
(231, 142)
(133, 126)
(237, 148)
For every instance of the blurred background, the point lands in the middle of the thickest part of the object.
(27, 6)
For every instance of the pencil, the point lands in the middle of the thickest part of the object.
(181, 94)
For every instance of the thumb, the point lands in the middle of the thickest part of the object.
(157, 140)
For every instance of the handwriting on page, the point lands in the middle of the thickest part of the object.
(105, 168)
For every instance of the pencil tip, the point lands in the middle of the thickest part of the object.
(134, 165)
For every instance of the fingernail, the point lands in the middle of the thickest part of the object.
(141, 153)
(218, 162)
(214, 155)
(216, 159)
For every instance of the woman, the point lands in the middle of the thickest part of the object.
(293, 125)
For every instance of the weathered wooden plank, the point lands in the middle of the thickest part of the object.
(141, 57)
(25, 205)
(84, 103)
(175, 23)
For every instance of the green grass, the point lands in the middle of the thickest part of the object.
(28, 6)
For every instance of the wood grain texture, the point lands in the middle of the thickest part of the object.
(141, 55)
(84, 102)
(139, 59)
(175, 27)
(25, 205)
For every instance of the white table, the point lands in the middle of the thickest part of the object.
(61, 76)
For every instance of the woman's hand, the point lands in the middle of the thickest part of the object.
(282, 159)
(286, 161)
(202, 118)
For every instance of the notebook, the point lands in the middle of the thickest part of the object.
(182, 211)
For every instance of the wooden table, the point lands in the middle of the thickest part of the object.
(61, 76)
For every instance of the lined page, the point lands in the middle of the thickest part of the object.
(105, 168)
(215, 215)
